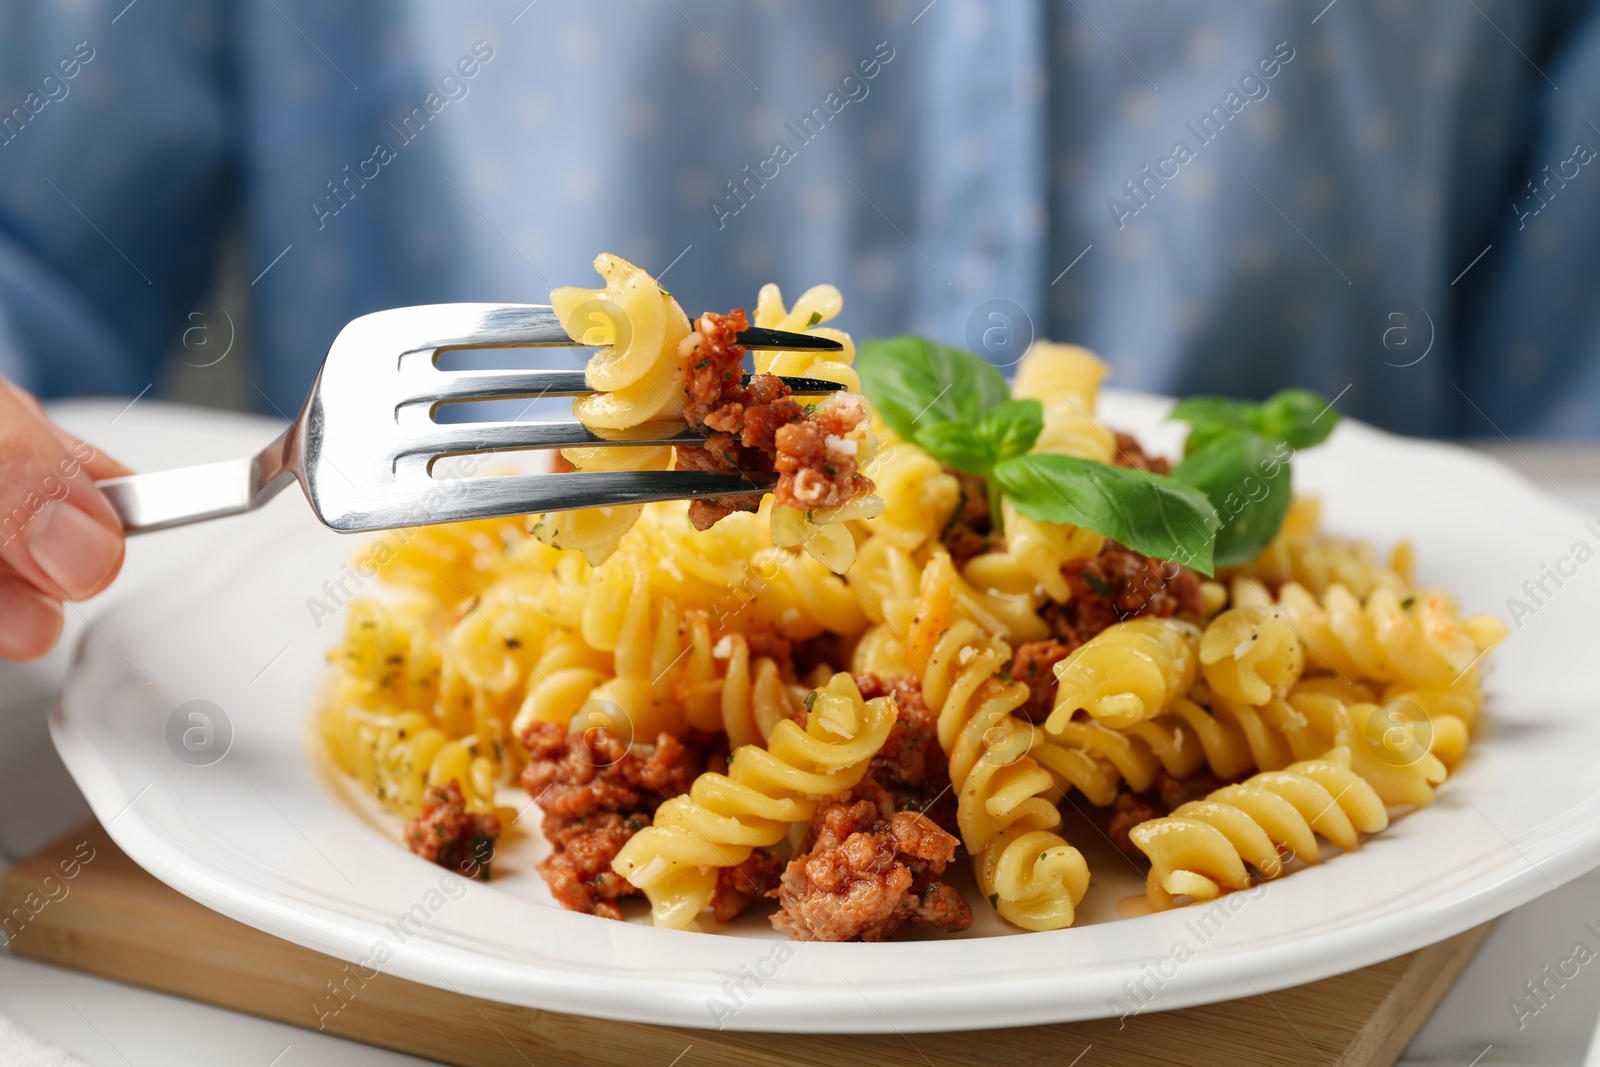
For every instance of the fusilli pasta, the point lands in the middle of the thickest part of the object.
(1202, 849)
(638, 376)
(1251, 654)
(724, 817)
(1005, 801)
(1300, 553)
(1419, 640)
(1129, 672)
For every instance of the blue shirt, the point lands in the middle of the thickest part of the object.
(1392, 203)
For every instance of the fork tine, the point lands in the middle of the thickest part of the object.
(450, 386)
(760, 340)
(521, 494)
(461, 438)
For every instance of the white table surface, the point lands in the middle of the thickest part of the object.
(106, 1023)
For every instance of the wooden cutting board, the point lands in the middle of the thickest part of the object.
(110, 918)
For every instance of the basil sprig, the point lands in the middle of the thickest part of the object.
(1221, 506)
(958, 409)
(1238, 454)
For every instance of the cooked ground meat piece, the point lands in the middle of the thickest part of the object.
(741, 422)
(579, 871)
(866, 871)
(1033, 665)
(1128, 810)
(765, 644)
(716, 365)
(721, 453)
(596, 792)
(446, 834)
(825, 650)
(1166, 795)
(1176, 792)
(759, 427)
(739, 887)
(970, 530)
(1130, 453)
(1116, 585)
(817, 468)
(911, 766)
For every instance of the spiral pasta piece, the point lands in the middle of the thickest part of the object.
(638, 374)
(920, 497)
(398, 756)
(1382, 742)
(1299, 553)
(725, 817)
(1451, 714)
(1420, 640)
(818, 304)
(1251, 654)
(1129, 672)
(820, 531)
(1096, 761)
(1065, 379)
(1033, 556)
(1203, 848)
(1033, 878)
(1010, 617)
(1231, 738)
(448, 562)
(1003, 795)
(388, 657)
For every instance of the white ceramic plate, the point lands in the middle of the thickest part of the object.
(264, 834)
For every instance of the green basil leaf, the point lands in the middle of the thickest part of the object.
(1012, 427)
(1299, 416)
(1157, 516)
(957, 445)
(1209, 416)
(1246, 478)
(912, 382)
(1203, 410)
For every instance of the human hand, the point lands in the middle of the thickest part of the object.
(59, 539)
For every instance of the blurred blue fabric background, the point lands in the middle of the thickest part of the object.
(1391, 202)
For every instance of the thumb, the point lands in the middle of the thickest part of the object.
(56, 529)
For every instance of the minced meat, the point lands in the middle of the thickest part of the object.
(1131, 454)
(740, 421)
(911, 766)
(596, 791)
(969, 532)
(1034, 666)
(867, 871)
(445, 833)
(816, 471)
(1116, 585)
(741, 886)
(759, 427)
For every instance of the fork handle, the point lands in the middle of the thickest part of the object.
(146, 502)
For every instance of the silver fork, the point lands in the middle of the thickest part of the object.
(364, 443)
